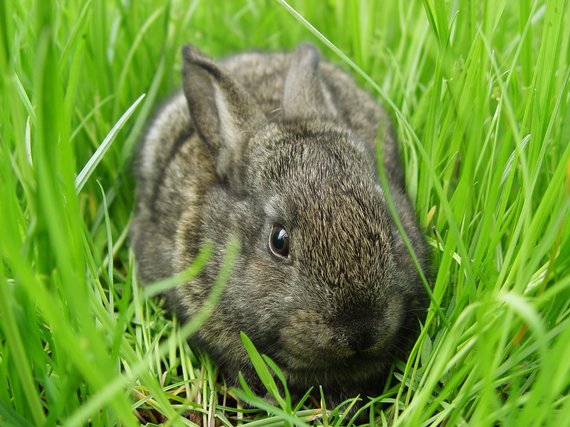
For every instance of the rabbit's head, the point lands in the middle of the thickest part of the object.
(323, 283)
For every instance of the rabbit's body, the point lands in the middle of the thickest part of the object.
(279, 150)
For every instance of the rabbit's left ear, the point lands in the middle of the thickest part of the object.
(224, 114)
(304, 93)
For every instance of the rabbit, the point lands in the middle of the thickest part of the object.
(279, 150)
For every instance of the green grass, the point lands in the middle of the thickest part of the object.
(479, 90)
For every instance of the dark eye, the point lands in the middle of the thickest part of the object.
(279, 241)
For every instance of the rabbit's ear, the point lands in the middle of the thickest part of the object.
(222, 111)
(304, 95)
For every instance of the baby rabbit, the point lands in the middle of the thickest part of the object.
(278, 149)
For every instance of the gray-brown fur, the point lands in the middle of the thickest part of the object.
(286, 138)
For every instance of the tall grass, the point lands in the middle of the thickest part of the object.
(479, 91)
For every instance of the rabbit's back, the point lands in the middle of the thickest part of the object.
(263, 76)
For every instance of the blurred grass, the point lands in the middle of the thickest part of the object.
(479, 92)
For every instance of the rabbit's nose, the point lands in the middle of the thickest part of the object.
(361, 339)
(355, 329)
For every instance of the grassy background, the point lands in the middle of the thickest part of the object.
(479, 92)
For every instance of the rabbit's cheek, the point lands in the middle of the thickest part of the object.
(305, 338)
(187, 235)
(392, 320)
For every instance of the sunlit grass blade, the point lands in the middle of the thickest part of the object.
(97, 156)
(262, 370)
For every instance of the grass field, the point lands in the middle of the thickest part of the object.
(479, 91)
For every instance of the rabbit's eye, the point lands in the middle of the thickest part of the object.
(279, 241)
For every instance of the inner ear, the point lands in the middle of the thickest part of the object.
(304, 92)
(224, 113)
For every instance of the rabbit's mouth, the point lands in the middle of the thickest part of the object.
(332, 371)
(340, 359)
(313, 339)
(330, 360)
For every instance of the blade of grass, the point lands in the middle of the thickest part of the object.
(96, 158)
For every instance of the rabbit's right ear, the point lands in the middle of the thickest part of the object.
(222, 111)
(304, 94)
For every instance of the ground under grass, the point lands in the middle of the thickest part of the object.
(479, 93)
